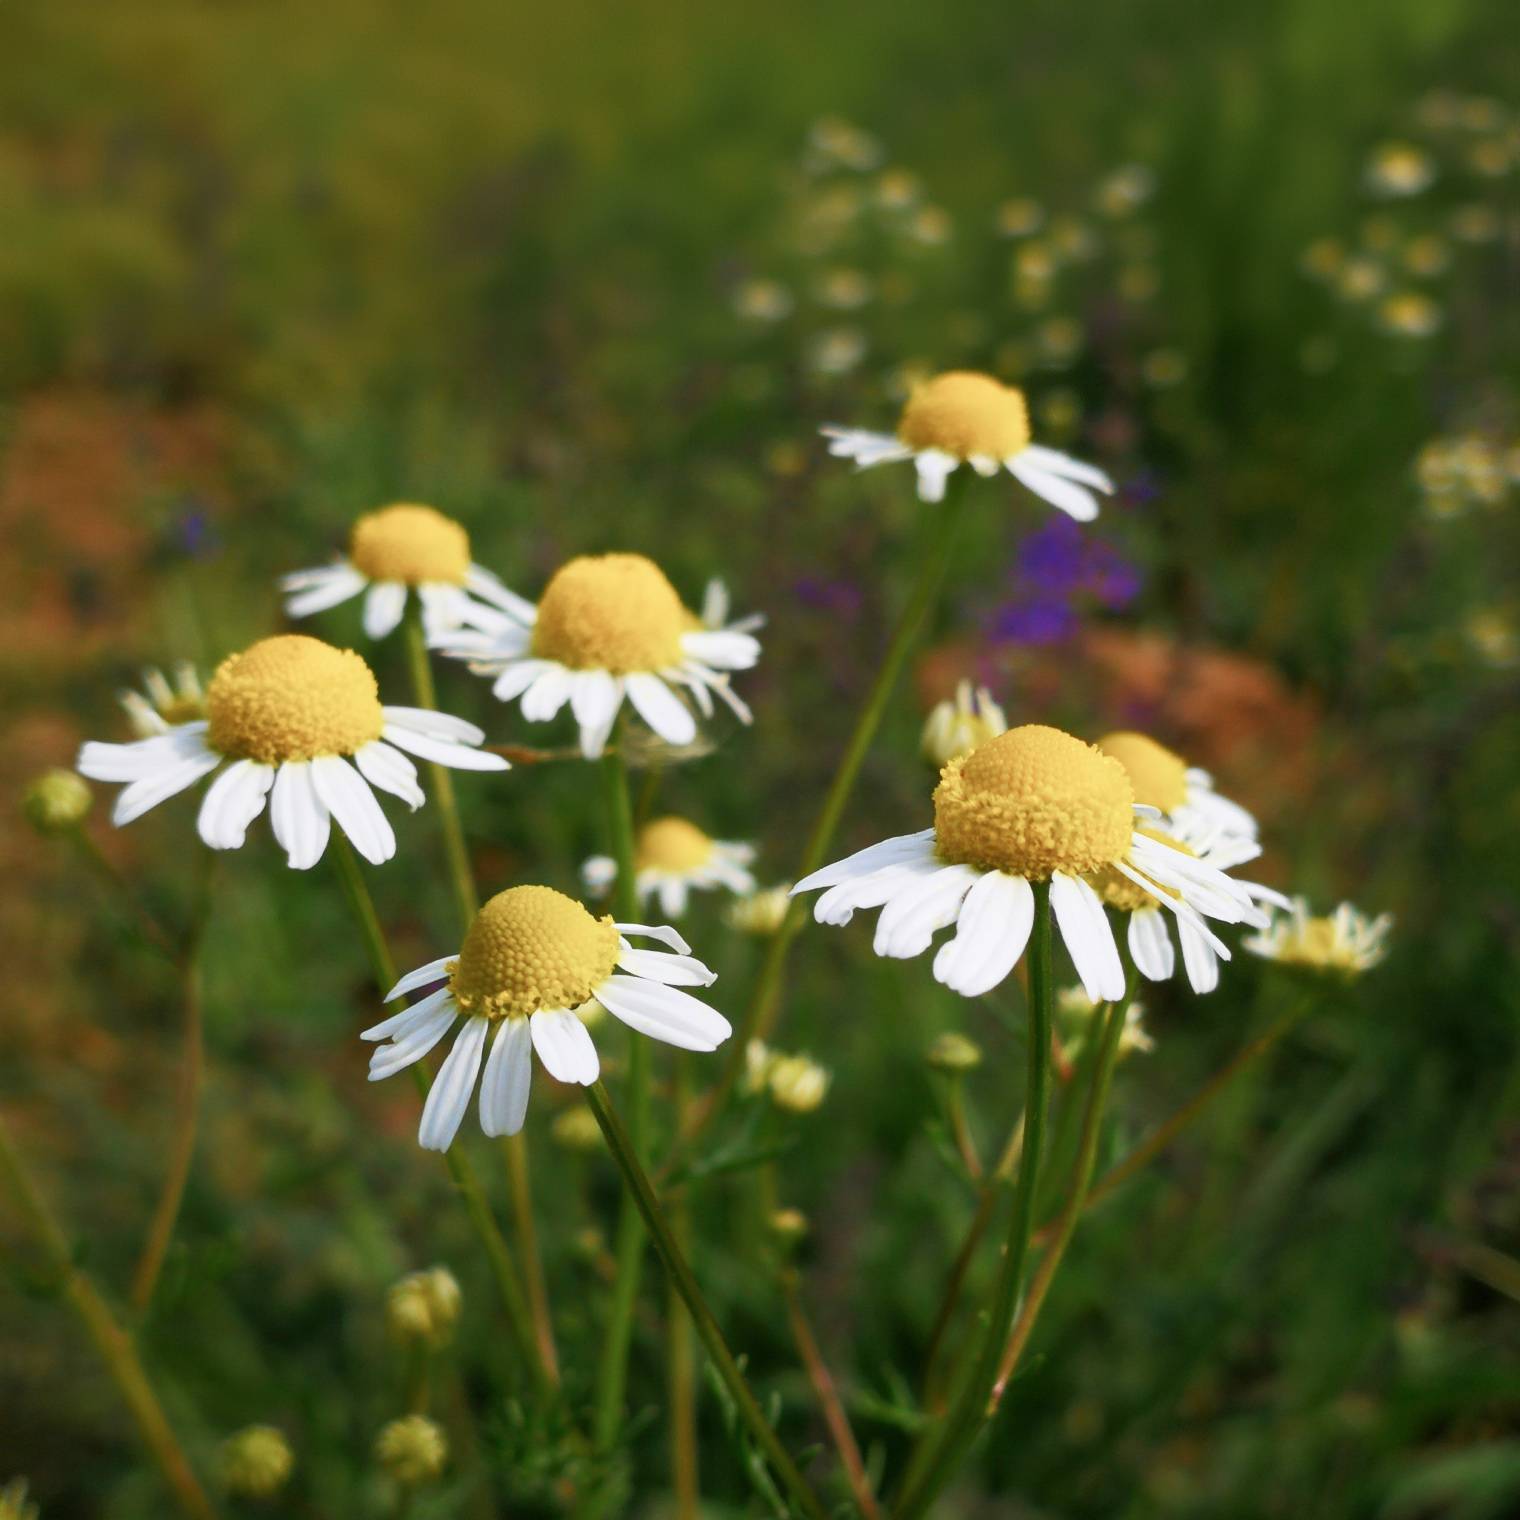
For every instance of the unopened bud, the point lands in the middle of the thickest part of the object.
(56, 802)
(953, 729)
(761, 912)
(789, 1225)
(954, 1053)
(256, 1462)
(797, 1084)
(424, 1305)
(413, 1449)
(577, 1130)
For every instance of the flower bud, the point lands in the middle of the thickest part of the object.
(577, 1130)
(954, 1053)
(956, 728)
(797, 1084)
(424, 1305)
(412, 1450)
(256, 1462)
(56, 802)
(788, 1225)
(760, 912)
(759, 1058)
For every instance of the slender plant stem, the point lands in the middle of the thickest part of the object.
(1164, 1133)
(111, 1342)
(628, 1249)
(680, 1347)
(827, 1393)
(460, 874)
(760, 1016)
(143, 920)
(1066, 1223)
(947, 1443)
(620, 1144)
(985, 1205)
(520, 1189)
(498, 1256)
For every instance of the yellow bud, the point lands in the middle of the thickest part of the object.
(789, 1225)
(413, 1449)
(256, 1462)
(955, 728)
(761, 912)
(797, 1084)
(56, 802)
(954, 1053)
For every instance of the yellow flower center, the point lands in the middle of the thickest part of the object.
(532, 948)
(1158, 776)
(612, 612)
(672, 844)
(964, 413)
(1118, 891)
(292, 698)
(1031, 802)
(410, 543)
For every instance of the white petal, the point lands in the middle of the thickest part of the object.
(142, 757)
(449, 1096)
(662, 932)
(399, 1025)
(890, 852)
(416, 1040)
(1054, 462)
(232, 802)
(440, 725)
(136, 799)
(486, 584)
(595, 696)
(508, 1076)
(722, 649)
(599, 873)
(840, 903)
(990, 935)
(1074, 500)
(443, 608)
(672, 970)
(1089, 939)
(661, 708)
(432, 972)
(934, 469)
(347, 796)
(383, 608)
(673, 897)
(911, 917)
(391, 771)
(864, 447)
(324, 589)
(297, 815)
(459, 757)
(1198, 957)
(663, 1013)
(715, 603)
(564, 1046)
(518, 677)
(1150, 946)
(544, 698)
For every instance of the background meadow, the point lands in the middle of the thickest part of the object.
(590, 277)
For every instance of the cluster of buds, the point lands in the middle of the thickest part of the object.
(795, 1083)
(413, 1450)
(423, 1306)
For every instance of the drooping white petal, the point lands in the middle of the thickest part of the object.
(517, 678)
(177, 776)
(399, 1025)
(1074, 500)
(564, 1046)
(416, 1040)
(384, 606)
(439, 725)
(459, 757)
(507, 1079)
(1054, 462)
(321, 589)
(485, 583)
(1150, 946)
(662, 932)
(449, 1096)
(673, 970)
(663, 1013)
(898, 850)
(934, 468)
(673, 896)
(232, 802)
(661, 708)
(1198, 957)
(1089, 941)
(297, 815)
(390, 770)
(990, 935)
(715, 603)
(432, 972)
(443, 607)
(912, 916)
(347, 796)
(865, 447)
(595, 697)
(544, 698)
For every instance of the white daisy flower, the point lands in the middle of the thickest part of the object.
(608, 626)
(966, 418)
(954, 728)
(1346, 942)
(536, 966)
(400, 548)
(1195, 813)
(165, 703)
(290, 718)
(671, 859)
(1032, 805)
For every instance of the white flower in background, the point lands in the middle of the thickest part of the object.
(761, 912)
(290, 718)
(535, 965)
(400, 548)
(965, 418)
(672, 858)
(608, 627)
(1347, 942)
(1399, 169)
(1032, 805)
(953, 729)
(797, 1083)
(1194, 812)
(166, 703)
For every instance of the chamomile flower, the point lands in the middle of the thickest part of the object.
(954, 728)
(608, 626)
(1345, 943)
(672, 858)
(1032, 805)
(163, 703)
(534, 967)
(1195, 813)
(290, 718)
(961, 417)
(400, 548)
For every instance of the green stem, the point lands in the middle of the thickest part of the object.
(760, 1016)
(111, 1342)
(680, 1353)
(460, 874)
(147, 925)
(620, 1144)
(947, 1443)
(503, 1269)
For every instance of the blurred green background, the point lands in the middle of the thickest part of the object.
(590, 277)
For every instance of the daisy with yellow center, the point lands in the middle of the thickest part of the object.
(672, 857)
(1033, 805)
(608, 626)
(962, 417)
(165, 703)
(955, 728)
(290, 718)
(396, 549)
(1183, 793)
(1398, 169)
(1344, 943)
(534, 968)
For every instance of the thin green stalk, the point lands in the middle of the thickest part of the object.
(1066, 1224)
(620, 1145)
(111, 1342)
(460, 875)
(628, 1248)
(499, 1257)
(760, 1016)
(680, 1354)
(948, 1442)
(147, 925)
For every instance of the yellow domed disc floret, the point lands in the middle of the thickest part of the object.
(1031, 802)
(410, 543)
(292, 698)
(1158, 776)
(531, 948)
(964, 413)
(672, 844)
(612, 612)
